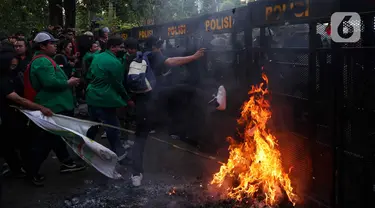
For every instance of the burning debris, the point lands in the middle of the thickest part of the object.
(254, 169)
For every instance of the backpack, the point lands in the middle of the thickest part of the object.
(140, 77)
(29, 91)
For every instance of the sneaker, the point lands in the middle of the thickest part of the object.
(175, 136)
(136, 180)
(221, 98)
(38, 180)
(122, 156)
(6, 171)
(127, 144)
(104, 135)
(72, 167)
(152, 131)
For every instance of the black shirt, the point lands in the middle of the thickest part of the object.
(6, 88)
(157, 60)
(23, 62)
(62, 60)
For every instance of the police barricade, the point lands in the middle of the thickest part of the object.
(125, 34)
(291, 43)
(354, 64)
(223, 36)
(142, 33)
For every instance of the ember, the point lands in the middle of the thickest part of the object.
(254, 166)
(172, 191)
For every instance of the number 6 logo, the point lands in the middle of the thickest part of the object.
(346, 27)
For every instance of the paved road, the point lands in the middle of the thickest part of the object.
(167, 169)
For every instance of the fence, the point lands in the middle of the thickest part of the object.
(323, 93)
(323, 98)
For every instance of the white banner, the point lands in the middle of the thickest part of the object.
(73, 131)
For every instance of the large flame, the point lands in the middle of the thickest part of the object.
(255, 163)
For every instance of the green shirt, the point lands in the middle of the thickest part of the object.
(51, 85)
(106, 88)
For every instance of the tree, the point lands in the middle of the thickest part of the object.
(55, 10)
(23, 15)
(70, 13)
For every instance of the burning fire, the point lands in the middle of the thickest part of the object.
(255, 163)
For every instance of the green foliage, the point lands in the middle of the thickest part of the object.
(23, 15)
(230, 4)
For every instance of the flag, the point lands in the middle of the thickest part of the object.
(73, 131)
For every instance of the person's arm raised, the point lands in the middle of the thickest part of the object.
(179, 61)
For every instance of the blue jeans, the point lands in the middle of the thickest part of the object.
(108, 116)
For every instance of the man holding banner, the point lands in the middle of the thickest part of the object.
(46, 84)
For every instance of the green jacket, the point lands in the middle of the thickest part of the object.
(106, 89)
(51, 85)
(87, 60)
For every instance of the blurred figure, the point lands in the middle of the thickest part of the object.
(144, 101)
(12, 121)
(22, 49)
(103, 37)
(20, 35)
(53, 90)
(12, 39)
(70, 35)
(65, 50)
(131, 47)
(87, 60)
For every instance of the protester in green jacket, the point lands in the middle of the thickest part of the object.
(106, 93)
(88, 57)
(54, 92)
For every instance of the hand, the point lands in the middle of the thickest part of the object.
(72, 63)
(46, 111)
(73, 81)
(199, 53)
(131, 103)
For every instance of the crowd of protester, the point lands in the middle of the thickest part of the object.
(67, 71)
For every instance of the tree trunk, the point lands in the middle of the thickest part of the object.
(70, 13)
(55, 12)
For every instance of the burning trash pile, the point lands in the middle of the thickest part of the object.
(253, 175)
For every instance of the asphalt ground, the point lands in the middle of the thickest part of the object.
(173, 178)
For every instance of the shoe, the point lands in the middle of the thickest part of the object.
(175, 136)
(72, 167)
(152, 131)
(127, 144)
(104, 135)
(221, 98)
(123, 156)
(137, 180)
(38, 180)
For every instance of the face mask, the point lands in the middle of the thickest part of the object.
(120, 54)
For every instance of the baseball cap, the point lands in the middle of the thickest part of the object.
(106, 30)
(88, 33)
(44, 36)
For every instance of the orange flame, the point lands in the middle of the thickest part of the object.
(255, 163)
